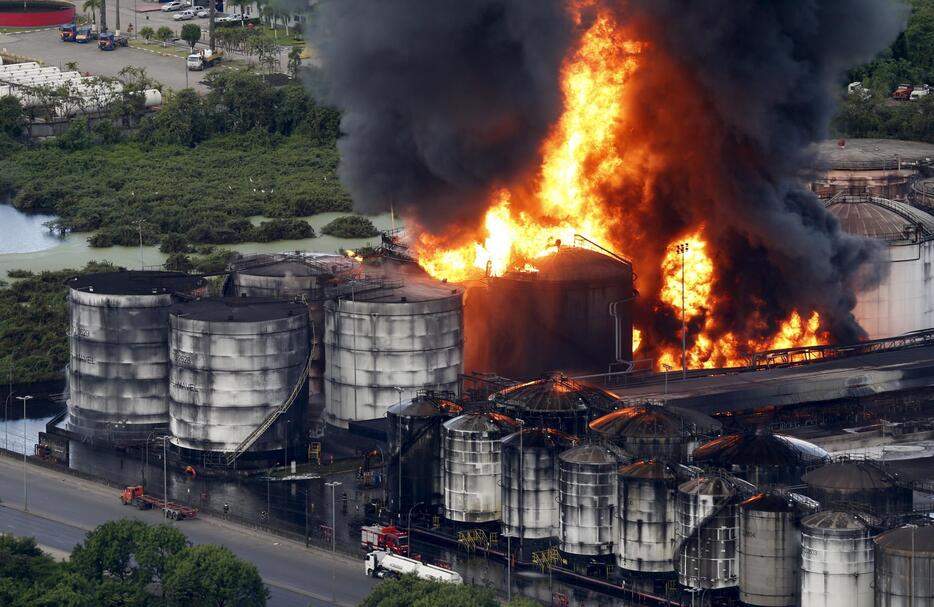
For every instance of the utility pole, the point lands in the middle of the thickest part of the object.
(117, 18)
(139, 225)
(683, 249)
(25, 494)
(333, 485)
(212, 9)
(165, 479)
(103, 15)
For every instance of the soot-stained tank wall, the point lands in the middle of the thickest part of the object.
(588, 491)
(386, 345)
(119, 356)
(905, 567)
(528, 323)
(233, 362)
(837, 560)
(647, 511)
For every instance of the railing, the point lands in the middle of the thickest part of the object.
(916, 232)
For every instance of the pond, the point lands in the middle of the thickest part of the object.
(26, 244)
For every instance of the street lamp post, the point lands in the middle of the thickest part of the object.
(398, 504)
(333, 485)
(165, 479)
(414, 506)
(25, 493)
(683, 249)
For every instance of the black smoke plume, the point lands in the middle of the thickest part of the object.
(442, 101)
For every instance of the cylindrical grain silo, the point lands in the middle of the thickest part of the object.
(761, 458)
(414, 472)
(234, 362)
(472, 472)
(654, 431)
(303, 277)
(574, 312)
(118, 341)
(587, 499)
(707, 533)
(647, 517)
(384, 344)
(837, 561)
(769, 549)
(530, 482)
(858, 482)
(905, 567)
(555, 402)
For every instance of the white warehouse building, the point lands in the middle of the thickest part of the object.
(904, 299)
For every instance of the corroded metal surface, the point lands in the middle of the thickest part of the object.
(587, 497)
(647, 523)
(769, 549)
(837, 561)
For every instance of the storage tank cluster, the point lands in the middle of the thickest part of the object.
(762, 458)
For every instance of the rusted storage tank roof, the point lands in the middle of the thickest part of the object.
(849, 476)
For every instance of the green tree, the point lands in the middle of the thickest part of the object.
(108, 550)
(158, 547)
(164, 34)
(12, 116)
(91, 6)
(212, 576)
(179, 262)
(182, 121)
(409, 590)
(191, 33)
(295, 61)
(147, 33)
(350, 226)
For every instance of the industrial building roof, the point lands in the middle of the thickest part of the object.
(867, 154)
(759, 449)
(237, 309)
(648, 420)
(136, 282)
(555, 393)
(849, 476)
(889, 220)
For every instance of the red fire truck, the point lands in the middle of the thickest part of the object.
(377, 537)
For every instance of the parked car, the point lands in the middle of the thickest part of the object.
(174, 6)
(919, 91)
(204, 13)
(184, 15)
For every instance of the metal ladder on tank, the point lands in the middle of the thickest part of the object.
(248, 442)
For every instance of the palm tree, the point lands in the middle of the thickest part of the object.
(90, 6)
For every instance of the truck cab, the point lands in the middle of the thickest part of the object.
(378, 537)
(131, 493)
(903, 92)
(69, 30)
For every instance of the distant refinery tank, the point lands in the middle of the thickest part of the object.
(387, 338)
(762, 458)
(234, 361)
(837, 561)
(881, 167)
(530, 482)
(655, 431)
(555, 402)
(587, 498)
(648, 491)
(472, 472)
(901, 302)
(415, 470)
(706, 557)
(859, 482)
(574, 312)
(297, 276)
(904, 560)
(119, 352)
(769, 550)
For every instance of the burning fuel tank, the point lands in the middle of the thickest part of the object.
(387, 337)
(472, 472)
(530, 482)
(414, 472)
(655, 431)
(905, 567)
(587, 498)
(555, 402)
(574, 313)
(864, 483)
(762, 458)
(769, 549)
(837, 560)
(648, 492)
(119, 351)
(706, 557)
(234, 362)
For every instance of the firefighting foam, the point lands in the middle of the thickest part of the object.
(655, 137)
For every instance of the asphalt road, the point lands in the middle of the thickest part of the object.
(62, 509)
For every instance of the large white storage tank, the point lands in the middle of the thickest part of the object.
(837, 560)
(902, 301)
(905, 567)
(769, 549)
(388, 338)
(588, 491)
(706, 557)
(648, 498)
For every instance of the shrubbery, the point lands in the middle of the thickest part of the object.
(351, 226)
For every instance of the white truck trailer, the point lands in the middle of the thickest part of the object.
(381, 563)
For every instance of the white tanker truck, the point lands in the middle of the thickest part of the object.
(381, 563)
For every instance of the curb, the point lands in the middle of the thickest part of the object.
(146, 50)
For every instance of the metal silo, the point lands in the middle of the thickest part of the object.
(862, 482)
(655, 431)
(837, 560)
(472, 444)
(769, 549)
(587, 498)
(530, 482)
(647, 523)
(234, 362)
(414, 472)
(388, 338)
(905, 567)
(707, 533)
(762, 458)
(118, 341)
(555, 402)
